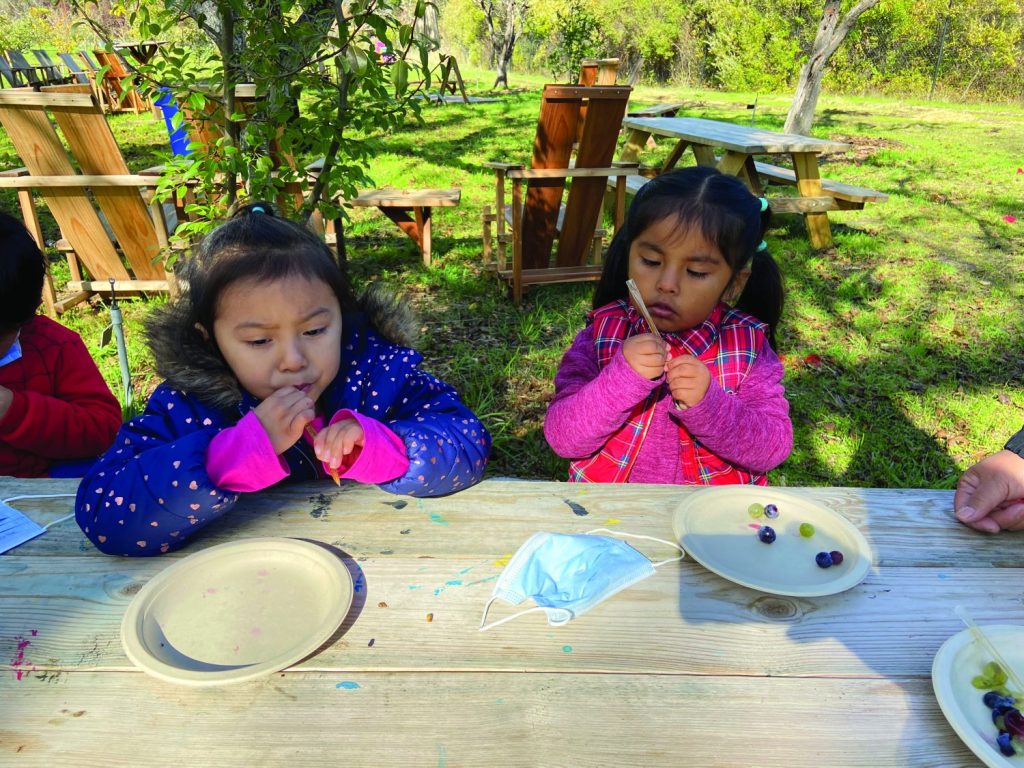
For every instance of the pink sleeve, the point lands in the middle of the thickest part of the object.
(749, 428)
(241, 458)
(382, 457)
(591, 403)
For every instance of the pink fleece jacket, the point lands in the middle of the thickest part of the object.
(749, 428)
(242, 458)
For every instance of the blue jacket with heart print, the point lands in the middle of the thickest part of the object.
(151, 491)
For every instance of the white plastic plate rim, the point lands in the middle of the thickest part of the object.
(132, 625)
(942, 683)
(742, 496)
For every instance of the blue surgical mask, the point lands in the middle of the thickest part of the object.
(568, 574)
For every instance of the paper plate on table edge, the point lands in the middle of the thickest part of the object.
(713, 527)
(208, 609)
(960, 659)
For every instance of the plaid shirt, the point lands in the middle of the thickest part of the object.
(727, 342)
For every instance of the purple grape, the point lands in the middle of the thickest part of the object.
(1013, 721)
(837, 557)
(770, 510)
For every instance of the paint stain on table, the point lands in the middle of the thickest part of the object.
(577, 509)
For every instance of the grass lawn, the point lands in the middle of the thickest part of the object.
(903, 344)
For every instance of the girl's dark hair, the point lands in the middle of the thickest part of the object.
(725, 213)
(22, 270)
(255, 244)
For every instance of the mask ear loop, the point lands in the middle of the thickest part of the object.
(45, 496)
(682, 554)
(535, 608)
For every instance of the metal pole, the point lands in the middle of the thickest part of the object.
(938, 59)
(117, 327)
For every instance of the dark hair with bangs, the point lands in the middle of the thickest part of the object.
(22, 271)
(725, 212)
(255, 244)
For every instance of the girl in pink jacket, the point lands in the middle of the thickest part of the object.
(699, 398)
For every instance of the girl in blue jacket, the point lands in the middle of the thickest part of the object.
(273, 369)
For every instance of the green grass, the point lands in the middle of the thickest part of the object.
(902, 344)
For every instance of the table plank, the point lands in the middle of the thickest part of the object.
(741, 138)
(65, 614)
(109, 720)
(905, 527)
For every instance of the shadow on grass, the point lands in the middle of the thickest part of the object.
(832, 400)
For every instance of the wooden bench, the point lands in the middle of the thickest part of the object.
(658, 110)
(838, 196)
(847, 196)
(397, 204)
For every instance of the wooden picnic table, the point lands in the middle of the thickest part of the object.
(739, 145)
(682, 668)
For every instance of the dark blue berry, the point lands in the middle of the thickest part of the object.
(991, 698)
(770, 510)
(1003, 740)
(823, 559)
(766, 534)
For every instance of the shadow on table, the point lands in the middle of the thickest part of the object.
(358, 595)
(890, 625)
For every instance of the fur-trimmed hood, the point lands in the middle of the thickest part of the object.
(193, 364)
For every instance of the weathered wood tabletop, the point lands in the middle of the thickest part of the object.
(740, 144)
(685, 668)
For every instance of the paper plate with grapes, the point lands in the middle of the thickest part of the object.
(977, 697)
(772, 540)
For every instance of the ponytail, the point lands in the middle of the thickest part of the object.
(763, 295)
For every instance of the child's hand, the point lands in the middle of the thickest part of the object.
(646, 354)
(284, 415)
(334, 443)
(688, 379)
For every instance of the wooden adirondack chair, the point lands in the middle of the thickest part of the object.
(136, 221)
(118, 96)
(537, 223)
(8, 77)
(54, 75)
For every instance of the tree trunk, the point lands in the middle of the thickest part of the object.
(831, 33)
(504, 59)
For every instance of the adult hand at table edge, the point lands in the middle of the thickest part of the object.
(990, 495)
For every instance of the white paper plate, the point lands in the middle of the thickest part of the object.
(714, 528)
(237, 611)
(959, 660)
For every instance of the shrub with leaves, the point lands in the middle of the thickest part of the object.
(320, 91)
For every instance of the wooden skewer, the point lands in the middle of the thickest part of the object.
(638, 300)
(987, 644)
(333, 472)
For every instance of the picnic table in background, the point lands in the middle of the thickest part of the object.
(684, 665)
(739, 145)
(142, 51)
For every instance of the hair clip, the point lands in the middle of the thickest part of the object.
(761, 247)
(764, 204)
(257, 209)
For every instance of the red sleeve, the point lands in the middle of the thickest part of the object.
(78, 418)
